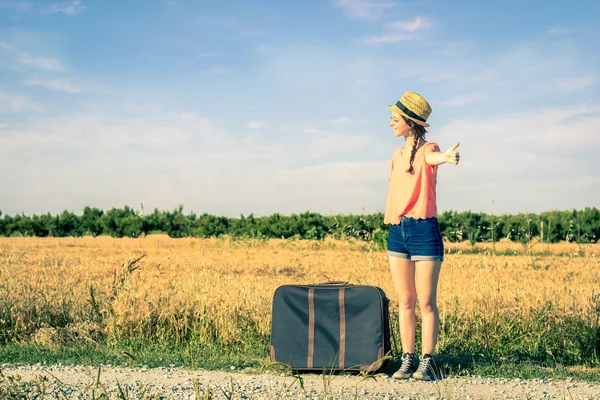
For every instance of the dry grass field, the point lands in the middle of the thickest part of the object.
(81, 291)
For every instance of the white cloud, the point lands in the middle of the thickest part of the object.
(335, 173)
(54, 84)
(365, 9)
(462, 100)
(578, 83)
(539, 159)
(17, 6)
(399, 31)
(530, 72)
(381, 39)
(321, 144)
(340, 120)
(543, 144)
(71, 8)
(6, 46)
(13, 103)
(547, 132)
(257, 124)
(409, 26)
(170, 158)
(99, 133)
(565, 30)
(45, 63)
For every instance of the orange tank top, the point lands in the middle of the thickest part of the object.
(411, 195)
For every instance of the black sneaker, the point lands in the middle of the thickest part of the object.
(425, 370)
(409, 365)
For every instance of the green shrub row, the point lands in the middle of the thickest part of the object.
(581, 226)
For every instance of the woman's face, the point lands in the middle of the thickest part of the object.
(399, 126)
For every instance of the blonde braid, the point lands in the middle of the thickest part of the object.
(418, 132)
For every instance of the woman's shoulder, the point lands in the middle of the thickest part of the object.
(431, 146)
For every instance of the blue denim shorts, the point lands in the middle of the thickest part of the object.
(416, 239)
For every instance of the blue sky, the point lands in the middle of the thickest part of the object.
(279, 106)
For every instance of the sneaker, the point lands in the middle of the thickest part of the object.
(409, 365)
(425, 370)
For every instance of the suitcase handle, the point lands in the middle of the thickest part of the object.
(334, 283)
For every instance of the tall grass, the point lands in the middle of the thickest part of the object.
(542, 306)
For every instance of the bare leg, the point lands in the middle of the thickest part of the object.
(403, 276)
(427, 275)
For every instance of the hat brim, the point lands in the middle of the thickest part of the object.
(395, 109)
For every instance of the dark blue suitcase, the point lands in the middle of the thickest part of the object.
(330, 326)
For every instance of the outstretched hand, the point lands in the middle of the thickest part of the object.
(452, 156)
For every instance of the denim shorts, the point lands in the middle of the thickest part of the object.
(416, 239)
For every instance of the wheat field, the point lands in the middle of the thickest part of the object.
(80, 291)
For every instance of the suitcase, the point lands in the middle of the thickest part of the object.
(330, 326)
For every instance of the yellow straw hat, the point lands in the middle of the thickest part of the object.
(413, 107)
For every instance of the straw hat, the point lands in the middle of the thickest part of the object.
(413, 107)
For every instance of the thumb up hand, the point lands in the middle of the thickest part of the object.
(452, 156)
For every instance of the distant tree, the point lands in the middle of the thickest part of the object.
(310, 226)
(207, 225)
(44, 225)
(68, 224)
(451, 225)
(131, 226)
(115, 222)
(6, 225)
(21, 226)
(90, 221)
(590, 225)
(2, 225)
(179, 225)
(155, 222)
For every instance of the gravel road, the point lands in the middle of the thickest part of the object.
(171, 383)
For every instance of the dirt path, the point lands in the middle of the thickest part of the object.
(171, 383)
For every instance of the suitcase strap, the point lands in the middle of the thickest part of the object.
(342, 328)
(311, 328)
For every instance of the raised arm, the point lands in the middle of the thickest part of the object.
(451, 156)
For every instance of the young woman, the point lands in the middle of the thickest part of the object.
(415, 247)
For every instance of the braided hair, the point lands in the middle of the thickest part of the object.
(418, 132)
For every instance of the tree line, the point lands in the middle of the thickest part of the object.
(581, 226)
